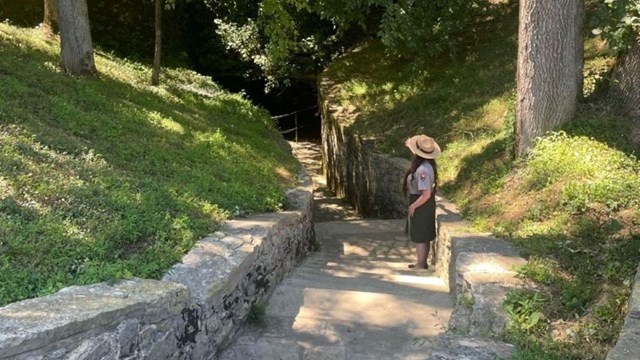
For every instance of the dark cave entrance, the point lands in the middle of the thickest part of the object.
(295, 108)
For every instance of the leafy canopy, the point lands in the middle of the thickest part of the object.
(618, 22)
(284, 38)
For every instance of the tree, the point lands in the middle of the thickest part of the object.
(76, 48)
(550, 60)
(50, 20)
(155, 76)
(626, 86)
(627, 78)
(618, 22)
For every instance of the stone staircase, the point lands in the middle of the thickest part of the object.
(354, 299)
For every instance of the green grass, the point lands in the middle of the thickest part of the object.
(107, 178)
(572, 206)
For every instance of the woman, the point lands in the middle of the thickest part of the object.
(421, 183)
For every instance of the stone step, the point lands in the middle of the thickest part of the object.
(351, 252)
(328, 260)
(364, 309)
(456, 347)
(359, 347)
(360, 227)
(347, 267)
(409, 286)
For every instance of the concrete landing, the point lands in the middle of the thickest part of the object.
(355, 299)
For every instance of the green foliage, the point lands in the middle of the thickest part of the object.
(523, 308)
(592, 172)
(270, 40)
(617, 21)
(104, 179)
(540, 270)
(431, 28)
(257, 315)
(281, 32)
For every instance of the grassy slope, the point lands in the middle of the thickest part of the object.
(572, 206)
(107, 178)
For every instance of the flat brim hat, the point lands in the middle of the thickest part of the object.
(424, 146)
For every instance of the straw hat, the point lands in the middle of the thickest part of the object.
(424, 146)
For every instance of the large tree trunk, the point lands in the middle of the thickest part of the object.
(627, 87)
(550, 59)
(50, 20)
(75, 37)
(155, 76)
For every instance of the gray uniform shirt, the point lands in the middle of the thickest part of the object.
(422, 179)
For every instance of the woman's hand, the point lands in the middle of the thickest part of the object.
(412, 209)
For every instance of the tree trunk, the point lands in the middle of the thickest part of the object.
(626, 86)
(50, 20)
(155, 76)
(550, 59)
(76, 48)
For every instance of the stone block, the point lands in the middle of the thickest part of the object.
(100, 348)
(127, 333)
(38, 323)
(452, 347)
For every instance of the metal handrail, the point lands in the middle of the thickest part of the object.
(295, 113)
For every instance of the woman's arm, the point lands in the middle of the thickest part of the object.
(424, 197)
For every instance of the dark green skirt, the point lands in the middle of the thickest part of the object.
(421, 228)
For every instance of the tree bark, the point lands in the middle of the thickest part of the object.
(76, 48)
(50, 20)
(155, 76)
(626, 86)
(550, 62)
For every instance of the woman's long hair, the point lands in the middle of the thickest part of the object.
(417, 161)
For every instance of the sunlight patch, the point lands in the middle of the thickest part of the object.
(166, 123)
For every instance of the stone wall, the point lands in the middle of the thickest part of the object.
(371, 182)
(192, 313)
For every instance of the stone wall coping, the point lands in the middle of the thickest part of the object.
(34, 323)
(225, 255)
(65, 323)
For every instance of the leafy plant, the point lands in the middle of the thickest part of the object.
(617, 21)
(523, 308)
(257, 315)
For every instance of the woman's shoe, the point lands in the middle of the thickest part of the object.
(416, 267)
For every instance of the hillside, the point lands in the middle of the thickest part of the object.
(571, 206)
(106, 178)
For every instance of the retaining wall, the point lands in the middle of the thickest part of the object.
(371, 182)
(192, 313)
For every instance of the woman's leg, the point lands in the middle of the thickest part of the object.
(422, 251)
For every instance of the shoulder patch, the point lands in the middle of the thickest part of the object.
(423, 175)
